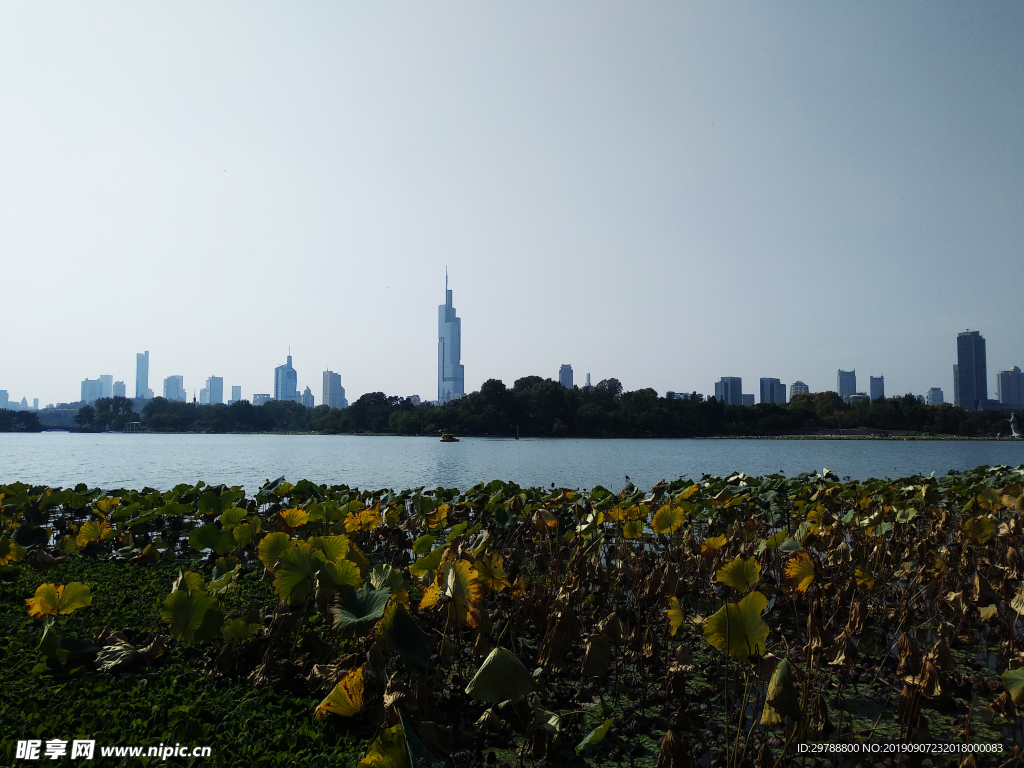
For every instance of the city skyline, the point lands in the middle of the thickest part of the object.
(589, 173)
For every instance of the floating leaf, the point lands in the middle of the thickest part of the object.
(800, 571)
(740, 574)
(668, 519)
(346, 699)
(502, 677)
(596, 736)
(54, 599)
(737, 628)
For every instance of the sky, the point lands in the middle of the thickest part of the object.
(664, 193)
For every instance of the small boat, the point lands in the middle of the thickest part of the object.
(446, 438)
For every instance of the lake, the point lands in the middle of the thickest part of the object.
(163, 461)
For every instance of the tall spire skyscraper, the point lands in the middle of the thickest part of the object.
(451, 377)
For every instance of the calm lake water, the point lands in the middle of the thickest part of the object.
(163, 461)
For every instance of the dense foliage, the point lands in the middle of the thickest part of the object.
(542, 407)
(727, 620)
(19, 421)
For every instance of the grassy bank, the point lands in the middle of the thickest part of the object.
(729, 620)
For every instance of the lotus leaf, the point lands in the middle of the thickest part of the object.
(357, 610)
(405, 637)
(740, 574)
(800, 571)
(339, 574)
(293, 518)
(674, 612)
(597, 735)
(491, 568)
(232, 517)
(668, 519)
(54, 599)
(737, 628)
(237, 630)
(1013, 679)
(346, 698)
(271, 546)
(210, 536)
(502, 677)
(388, 750)
(423, 544)
(296, 570)
(185, 612)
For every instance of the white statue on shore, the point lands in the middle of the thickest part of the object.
(1014, 429)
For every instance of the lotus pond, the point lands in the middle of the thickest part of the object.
(727, 621)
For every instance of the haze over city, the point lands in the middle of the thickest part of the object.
(661, 195)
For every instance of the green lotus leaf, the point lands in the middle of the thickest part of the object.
(502, 677)
(737, 628)
(296, 570)
(359, 609)
(596, 736)
(184, 612)
(210, 536)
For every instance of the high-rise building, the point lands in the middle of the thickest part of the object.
(798, 388)
(35, 403)
(92, 390)
(451, 374)
(970, 388)
(1010, 386)
(107, 385)
(142, 376)
(748, 400)
(259, 398)
(846, 384)
(120, 390)
(565, 376)
(588, 381)
(174, 389)
(213, 392)
(729, 390)
(4, 399)
(307, 398)
(286, 382)
(773, 391)
(935, 396)
(876, 387)
(334, 393)
(236, 394)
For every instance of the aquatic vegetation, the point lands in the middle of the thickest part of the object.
(724, 619)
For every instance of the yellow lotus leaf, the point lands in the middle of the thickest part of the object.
(668, 519)
(246, 531)
(438, 517)
(335, 548)
(800, 571)
(675, 615)
(519, 588)
(365, 519)
(616, 513)
(53, 599)
(388, 750)
(271, 547)
(864, 578)
(10, 550)
(430, 597)
(740, 573)
(107, 505)
(633, 529)
(492, 572)
(346, 699)
(466, 592)
(980, 528)
(293, 518)
(712, 544)
(737, 628)
(544, 520)
(688, 492)
(427, 564)
(93, 530)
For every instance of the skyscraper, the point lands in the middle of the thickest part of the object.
(1010, 386)
(236, 395)
(773, 391)
(451, 375)
(935, 396)
(846, 384)
(142, 376)
(334, 393)
(307, 398)
(107, 385)
(729, 390)
(214, 391)
(877, 387)
(798, 388)
(970, 388)
(286, 382)
(92, 390)
(174, 389)
(565, 376)
(120, 390)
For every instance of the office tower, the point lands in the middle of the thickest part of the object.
(120, 390)
(798, 388)
(748, 400)
(174, 389)
(414, 399)
(773, 391)
(261, 398)
(35, 403)
(877, 387)
(4, 399)
(935, 396)
(970, 386)
(106, 385)
(92, 390)
(142, 376)
(846, 384)
(565, 376)
(729, 390)
(1010, 386)
(451, 374)
(334, 393)
(588, 381)
(214, 391)
(286, 382)
(307, 398)
(236, 395)
(677, 395)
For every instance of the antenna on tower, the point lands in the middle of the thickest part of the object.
(446, 278)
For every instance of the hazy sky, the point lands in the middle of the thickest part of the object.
(666, 193)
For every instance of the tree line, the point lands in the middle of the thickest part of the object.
(538, 407)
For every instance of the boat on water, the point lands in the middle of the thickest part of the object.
(446, 438)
